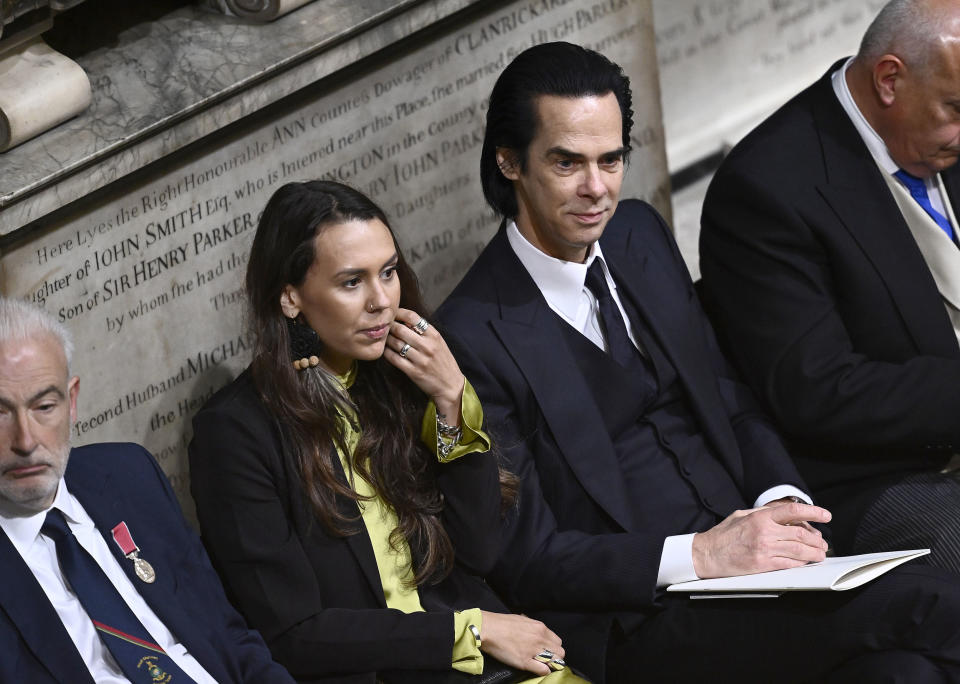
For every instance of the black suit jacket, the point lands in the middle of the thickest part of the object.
(822, 294)
(114, 483)
(572, 551)
(317, 598)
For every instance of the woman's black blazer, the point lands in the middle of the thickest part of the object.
(315, 597)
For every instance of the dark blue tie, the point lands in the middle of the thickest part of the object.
(128, 640)
(918, 190)
(619, 345)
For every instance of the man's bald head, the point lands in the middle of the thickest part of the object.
(906, 82)
(911, 29)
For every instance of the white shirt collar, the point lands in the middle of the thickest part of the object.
(23, 530)
(560, 282)
(874, 143)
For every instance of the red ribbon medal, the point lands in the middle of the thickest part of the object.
(123, 538)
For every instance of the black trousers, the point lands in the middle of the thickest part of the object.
(902, 627)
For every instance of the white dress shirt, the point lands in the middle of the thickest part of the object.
(878, 148)
(563, 286)
(39, 552)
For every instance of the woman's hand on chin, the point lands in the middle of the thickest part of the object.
(419, 351)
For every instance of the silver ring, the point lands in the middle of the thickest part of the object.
(557, 664)
(404, 349)
(544, 656)
(421, 326)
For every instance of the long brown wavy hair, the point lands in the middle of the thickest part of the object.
(308, 405)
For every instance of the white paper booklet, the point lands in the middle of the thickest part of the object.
(833, 574)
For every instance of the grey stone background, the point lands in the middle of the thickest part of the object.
(132, 221)
(724, 65)
(147, 269)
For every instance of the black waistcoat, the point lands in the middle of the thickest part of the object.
(675, 483)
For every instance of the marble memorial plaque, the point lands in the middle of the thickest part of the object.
(726, 64)
(149, 276)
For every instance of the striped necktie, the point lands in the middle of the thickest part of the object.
(121, 631)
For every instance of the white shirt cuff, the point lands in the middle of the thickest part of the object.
(676, 561)
(779, 492)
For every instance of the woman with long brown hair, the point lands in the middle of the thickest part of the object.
(344, 487)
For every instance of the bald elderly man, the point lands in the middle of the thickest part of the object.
(831, 268)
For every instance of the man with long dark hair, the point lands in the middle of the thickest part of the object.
(642, 460)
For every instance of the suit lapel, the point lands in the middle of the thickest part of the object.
(643, 280)
(530, 334)
(30, 611)
(359, 543)
(858, 195)
(362, 551)
(939, 252)
(309, 526)
(108, 502)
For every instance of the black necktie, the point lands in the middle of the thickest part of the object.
(120, 630)
(619, 345)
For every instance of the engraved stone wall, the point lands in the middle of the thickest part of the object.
(725, 64)
(148, 276)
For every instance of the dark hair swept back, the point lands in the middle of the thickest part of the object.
(561, 69)
(309, 406)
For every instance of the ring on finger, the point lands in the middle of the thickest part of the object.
(557, 664)
(421, 326)
(544, 656)
(404, 349)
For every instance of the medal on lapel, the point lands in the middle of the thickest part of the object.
(123, 538)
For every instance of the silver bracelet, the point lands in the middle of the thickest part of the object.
(447, 430)
(448, 437)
